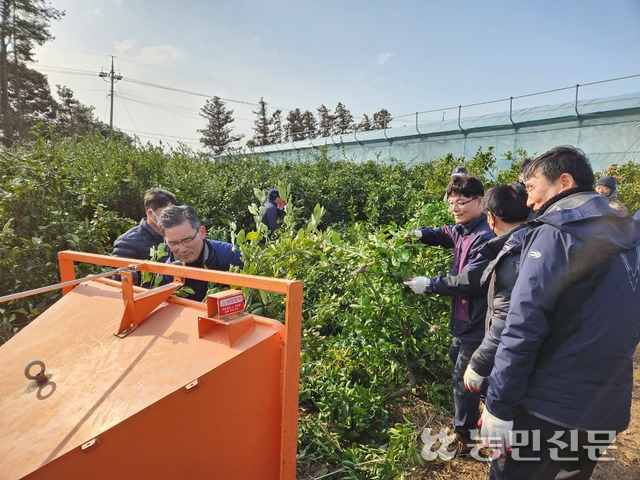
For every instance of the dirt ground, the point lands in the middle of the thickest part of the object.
(625, 464)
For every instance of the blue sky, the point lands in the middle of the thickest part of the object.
(406, 56)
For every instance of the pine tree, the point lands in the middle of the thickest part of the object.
(262, 128)
(275, 127)
(36, 102)
(309, 124)
(381, 119)
(343, 120)
(73, 119)
(325, 121)
(365, 124)
(217, 134)
(23, 25)
(294, 128)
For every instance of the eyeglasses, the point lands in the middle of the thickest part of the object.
(460, 203)
(184, 241)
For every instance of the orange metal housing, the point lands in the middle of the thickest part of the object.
(171, 399)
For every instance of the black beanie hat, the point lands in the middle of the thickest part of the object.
(608, 182)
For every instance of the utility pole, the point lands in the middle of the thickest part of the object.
(114, 78)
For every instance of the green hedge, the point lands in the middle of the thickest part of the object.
(366, 338)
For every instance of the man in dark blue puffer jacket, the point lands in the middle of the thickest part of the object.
(188, 243)
(560, 389)
(137, 241)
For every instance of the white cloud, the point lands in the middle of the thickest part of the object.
(121, 48)
(384, 58)
(367, 80)
(161, 55)
(92, 13)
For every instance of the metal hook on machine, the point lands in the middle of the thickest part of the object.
(40, 377)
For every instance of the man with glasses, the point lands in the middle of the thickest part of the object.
(469, 298)
(560, 389)
(187, 239)
(137, 241)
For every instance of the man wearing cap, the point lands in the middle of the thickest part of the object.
(607, 186)
(459, 171)
(274, 206)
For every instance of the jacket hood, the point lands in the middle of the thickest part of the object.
(588, 217)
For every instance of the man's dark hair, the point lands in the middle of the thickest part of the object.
(465, 186)
(155, 198)
(559, 160)
(273, 194)
(507, 202)
(525, 163)
(177, 215)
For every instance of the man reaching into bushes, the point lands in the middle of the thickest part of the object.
(274, 206)
(469, 302)
(137, 241)
(188, 242)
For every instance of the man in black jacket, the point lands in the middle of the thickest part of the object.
(506, 209)
(137, 241)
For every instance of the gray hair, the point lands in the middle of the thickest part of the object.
(177, 215)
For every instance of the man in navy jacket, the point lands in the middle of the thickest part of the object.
(188, 242)
(469, 298)
(137, 241)
(564, 368)
(273, 209)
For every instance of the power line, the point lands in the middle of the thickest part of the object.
(125, 107)
(216, 80)
(189, 92)
(160, 135)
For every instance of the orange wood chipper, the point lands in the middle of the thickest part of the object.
(116, 381)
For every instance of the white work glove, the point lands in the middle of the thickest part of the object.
(417, 235)
(496, 434)
(472, 381)
(419, 284)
